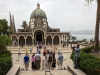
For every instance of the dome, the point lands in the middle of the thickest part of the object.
(38, 13)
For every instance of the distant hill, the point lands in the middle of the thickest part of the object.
(83, 32)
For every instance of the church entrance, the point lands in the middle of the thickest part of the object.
(39, 36)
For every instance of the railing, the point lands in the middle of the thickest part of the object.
(14, 70)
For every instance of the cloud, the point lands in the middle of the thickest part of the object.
(61, 14)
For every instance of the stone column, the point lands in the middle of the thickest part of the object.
(52, 42)
(59, 41)
(45, 42)
(18, 42)
(25, 42)
(32, 42)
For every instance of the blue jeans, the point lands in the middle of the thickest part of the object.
(76, 61)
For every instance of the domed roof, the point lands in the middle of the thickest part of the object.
(38, 13)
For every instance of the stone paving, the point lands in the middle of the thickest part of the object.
(65, 52)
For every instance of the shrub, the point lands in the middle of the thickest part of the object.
(87, 49)
(88, 63)
(5, 63)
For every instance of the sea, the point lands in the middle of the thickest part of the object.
(88, 37)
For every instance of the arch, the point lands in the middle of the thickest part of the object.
(48, 35)
(56, 40)
(55, 35)
(39, 35)
(49, 40)
(39, 30)
(29, 40)
(21, 40)
(13, 35)
(21, 35)
(64, 36)
(28, 35)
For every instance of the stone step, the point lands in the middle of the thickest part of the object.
(37, 72)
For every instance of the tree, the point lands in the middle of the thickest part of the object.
(24, 25)
(96, 40)
(4, 28)
(4, 41)
(73, 38)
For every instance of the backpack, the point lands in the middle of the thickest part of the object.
(50, 57)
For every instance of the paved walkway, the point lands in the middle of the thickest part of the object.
(65, 52)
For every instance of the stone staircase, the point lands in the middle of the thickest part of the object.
(65, 52)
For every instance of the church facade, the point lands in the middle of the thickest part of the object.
(39, 30)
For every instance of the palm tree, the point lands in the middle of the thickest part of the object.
(96, 40)
(73, 38)
(24, 25)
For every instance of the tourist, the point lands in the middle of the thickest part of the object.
(26, 61)
(38, 60)
(26, 51)
(19, 53)
(58, 52)
(53, 55)
(77, 57)
(49, 58)
(67, 44)
(37, 46)
(44, 52)
(31, 50)
(73, 49)
(61, 42)
(33, 62)
(22, 44)
(60, 61)
(45, 62)
(54, 63)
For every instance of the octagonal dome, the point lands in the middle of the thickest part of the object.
(38, 13)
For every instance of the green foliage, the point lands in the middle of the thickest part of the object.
(5, 63)
(88, 63)
(3, 27)
(24, 24)
(73, 38)
(87, 49)
(4, 41)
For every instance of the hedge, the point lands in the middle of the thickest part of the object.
(5, 63)
(88, 63)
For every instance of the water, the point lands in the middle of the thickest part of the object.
(82, 36)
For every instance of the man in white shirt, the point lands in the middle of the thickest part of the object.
(19, 53)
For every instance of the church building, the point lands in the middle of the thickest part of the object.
(39, 30)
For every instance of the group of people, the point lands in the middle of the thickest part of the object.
(48, 61)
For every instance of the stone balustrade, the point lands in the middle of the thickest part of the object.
(15, 69)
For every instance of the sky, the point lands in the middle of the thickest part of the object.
(68, 15)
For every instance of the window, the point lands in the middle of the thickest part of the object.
(22, 31)
(54, 30)
(50, 30)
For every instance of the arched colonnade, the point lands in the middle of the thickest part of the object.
(48, 40)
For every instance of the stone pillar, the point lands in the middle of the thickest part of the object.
(25, 42)
(52, 42)
(18, 42)
(59, 41)
(45, 42)
(32, 42)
